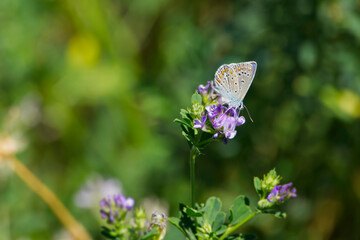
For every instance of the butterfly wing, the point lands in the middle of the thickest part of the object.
(245, 73)
(222, 83)
(232, 81)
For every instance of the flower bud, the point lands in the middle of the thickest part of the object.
(270, 181)
(264, 203)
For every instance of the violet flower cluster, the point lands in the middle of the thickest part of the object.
(280, 193)
(113, 208)
(216, 118)
(271, 192)
(124, 223)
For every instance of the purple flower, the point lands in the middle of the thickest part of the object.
(213, 110)
(200, 123)
(224, 120)
(229, 127)
(111, 216)
(231, 112)
(280, 193)
(129, 203)
(240, 121)
(112, 208)
(104, 203)
(219, 121)
(216, 135)
(202, 90)
(119, 200)
(124, 203)
(103, 214)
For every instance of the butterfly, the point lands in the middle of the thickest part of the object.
(232, 81)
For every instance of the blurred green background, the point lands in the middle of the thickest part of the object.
(92, 88)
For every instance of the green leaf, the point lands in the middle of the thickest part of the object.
(219, 221)
(187, 137)
(211, 209)
(186, 223)
(196, 98)
(176, 222)
(182, 122)
(154, 232)
(257, 185)
(184, 113)
(185, 129)
(240, 210)
(221, 230)
(108, 233)
(192, 212)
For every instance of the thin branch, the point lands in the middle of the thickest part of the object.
(76, 230)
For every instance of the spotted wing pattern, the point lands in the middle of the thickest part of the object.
(232, 81)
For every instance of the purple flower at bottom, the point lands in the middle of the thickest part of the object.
(111, 216)
(113, 208)
(200, 123)
(103, 214)
(129, 203)
(280, 193)
(119, 200)
(123, 202)
(104, 203)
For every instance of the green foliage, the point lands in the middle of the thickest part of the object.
(263, 187)
(207, 221)
(132, 225)
(240, 210)
(194, 137)
(108, 77)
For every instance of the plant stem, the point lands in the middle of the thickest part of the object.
(233, 228)
(76, 230)
(193, 153)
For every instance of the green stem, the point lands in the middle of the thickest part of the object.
(193, 153)
(233, 228)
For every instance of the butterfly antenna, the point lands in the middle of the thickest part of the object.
(248, 113)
